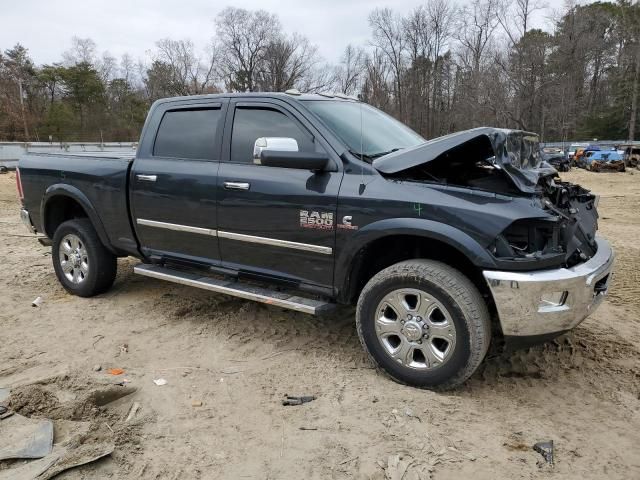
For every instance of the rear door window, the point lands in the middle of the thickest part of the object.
(190, 133)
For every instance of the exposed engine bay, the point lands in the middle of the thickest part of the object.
(508, 162)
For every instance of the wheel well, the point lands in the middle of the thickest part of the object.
(60, 209)
(386, 251)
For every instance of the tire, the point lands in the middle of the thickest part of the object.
(434, 361)
(90, 267)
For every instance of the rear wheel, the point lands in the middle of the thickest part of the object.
(424, 324)
(82, 264)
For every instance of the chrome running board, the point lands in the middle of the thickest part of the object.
(236, 289)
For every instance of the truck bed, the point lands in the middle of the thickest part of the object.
(100, 178)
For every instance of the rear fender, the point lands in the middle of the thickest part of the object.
(74, 193)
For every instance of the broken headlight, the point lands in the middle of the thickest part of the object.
(529, 239)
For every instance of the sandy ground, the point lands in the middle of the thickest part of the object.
(229, 362)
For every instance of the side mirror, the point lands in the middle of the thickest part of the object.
(283, 153)
(279, 144)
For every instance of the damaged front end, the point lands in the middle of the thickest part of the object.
(508, 162)
(563, 237)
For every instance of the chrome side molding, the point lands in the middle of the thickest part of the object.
(241, 237)
(176, 227)
(276, 242)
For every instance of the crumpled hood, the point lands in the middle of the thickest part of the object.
(516, 152)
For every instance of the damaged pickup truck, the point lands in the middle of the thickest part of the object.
(311, 201)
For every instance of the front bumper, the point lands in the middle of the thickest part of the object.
(26, 219)
(549, 301)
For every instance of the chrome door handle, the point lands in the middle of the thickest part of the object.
(237, 185)
(147, 178)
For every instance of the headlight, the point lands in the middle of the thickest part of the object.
(529, 238)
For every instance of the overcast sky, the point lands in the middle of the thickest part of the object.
(45, 27)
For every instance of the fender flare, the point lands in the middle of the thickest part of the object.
(416, 227)
(69, 191)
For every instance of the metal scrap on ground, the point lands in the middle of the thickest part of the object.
(546, 450)
(290, 401)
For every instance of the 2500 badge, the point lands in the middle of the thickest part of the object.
(320, 220)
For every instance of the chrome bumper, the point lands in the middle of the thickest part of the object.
(549, 301)
(26, 219)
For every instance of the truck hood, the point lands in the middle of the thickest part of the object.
(515, 152)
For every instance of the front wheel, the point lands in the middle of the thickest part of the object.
(82, 263)
(424, 324)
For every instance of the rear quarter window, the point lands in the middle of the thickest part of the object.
(188, 134)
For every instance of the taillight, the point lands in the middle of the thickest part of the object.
(19, 185)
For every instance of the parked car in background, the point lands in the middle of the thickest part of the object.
(605, 160)
(583, 154)
(557, 159)
(631, 154)
(572, 150)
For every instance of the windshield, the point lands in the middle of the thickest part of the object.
(381, 134)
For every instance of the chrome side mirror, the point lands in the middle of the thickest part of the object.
(277, 144)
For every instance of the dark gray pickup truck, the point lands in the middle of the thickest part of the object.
(310, 201)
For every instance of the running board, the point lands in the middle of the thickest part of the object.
(236, 289)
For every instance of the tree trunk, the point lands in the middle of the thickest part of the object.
(24, 116)
(634, 98)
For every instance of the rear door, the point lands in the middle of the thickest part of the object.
(272, 221)
(173, 181)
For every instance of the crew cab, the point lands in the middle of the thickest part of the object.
(312, 201)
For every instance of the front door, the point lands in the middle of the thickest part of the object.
(273, 221)
(173, 182)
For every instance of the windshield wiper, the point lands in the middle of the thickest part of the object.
(369, 157)
(362, 156)
(382, 154)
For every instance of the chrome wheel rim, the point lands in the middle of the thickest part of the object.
(73, 258)
(415, 329)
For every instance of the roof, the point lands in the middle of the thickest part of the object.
(280, 95)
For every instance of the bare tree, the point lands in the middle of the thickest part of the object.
(244, 38)
(83, 50)
(191, 74)
(127, 68)
(286, 62)
(350, 70)
(375, 88)
(106, 66)
(389, 39)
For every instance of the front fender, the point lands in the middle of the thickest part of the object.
(65, 190)
(417, 227)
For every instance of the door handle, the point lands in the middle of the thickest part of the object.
(147, 178)
(237, 185)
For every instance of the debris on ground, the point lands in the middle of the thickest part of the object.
(231, 370)
(37, 302)
(290, 400)
(132, 413)
(196, 403)
(546, 450)
(160, 381)
(124, 348)
(90, 444)
(24, 437)
(97, 368)
(115, 371)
